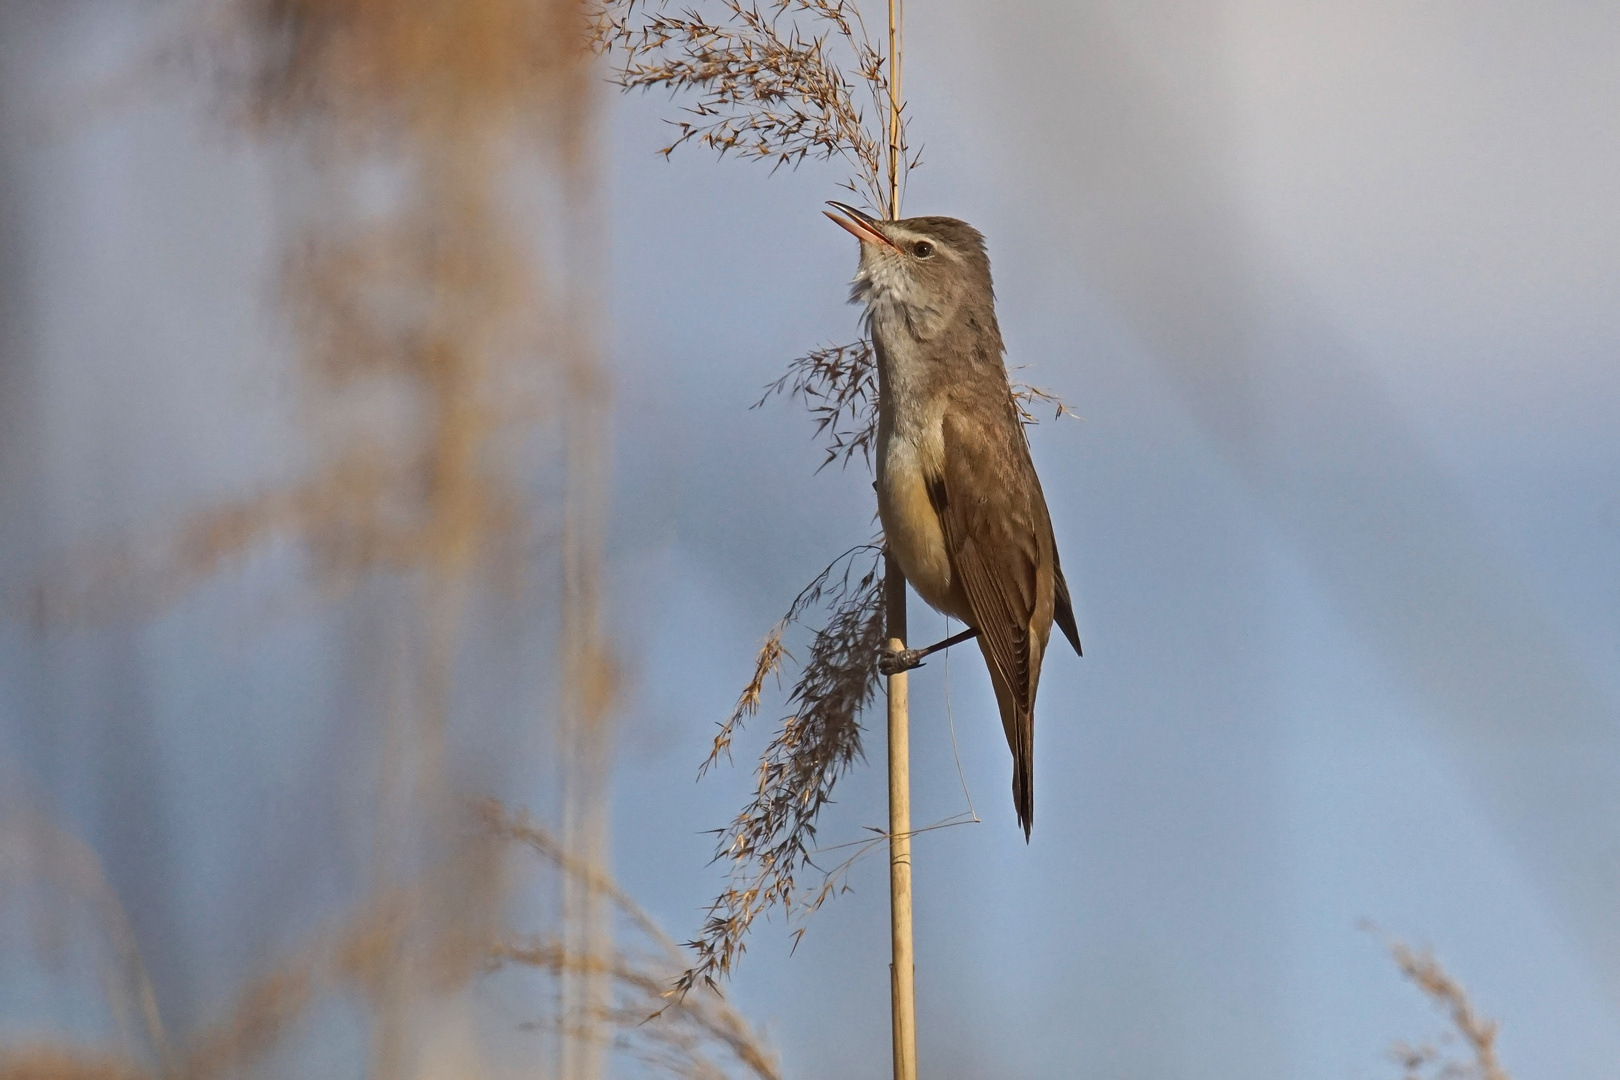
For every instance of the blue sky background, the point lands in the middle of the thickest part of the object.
(1332, 292)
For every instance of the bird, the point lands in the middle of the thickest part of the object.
(962, 509)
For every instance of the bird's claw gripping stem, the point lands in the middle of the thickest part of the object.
(894, 661)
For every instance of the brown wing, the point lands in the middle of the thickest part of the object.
(1063, 607)
(999, 541)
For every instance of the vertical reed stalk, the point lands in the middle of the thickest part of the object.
(902, 968)
(895, 14)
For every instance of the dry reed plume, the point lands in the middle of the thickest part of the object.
(772, 839)
(767, 80)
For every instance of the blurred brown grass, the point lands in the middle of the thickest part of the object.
(1470, 1031)
(678, 1034)
(436, 307)
(442, 368)
(55, 1063)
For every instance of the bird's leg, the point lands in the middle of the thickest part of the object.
(893, 663)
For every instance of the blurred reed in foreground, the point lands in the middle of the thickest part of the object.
(454, 416)
(1474, 1034)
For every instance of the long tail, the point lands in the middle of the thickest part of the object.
(1019, 727)
(1023, 785)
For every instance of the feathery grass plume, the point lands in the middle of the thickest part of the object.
(1425, 1061)
(837, 384)
(767, 79)
(698, 1035)
(772, 839)
(261, 1013)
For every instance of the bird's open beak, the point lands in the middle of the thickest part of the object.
(864, 228)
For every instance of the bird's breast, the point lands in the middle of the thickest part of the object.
(911, 449)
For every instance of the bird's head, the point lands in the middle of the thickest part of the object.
(924, 270)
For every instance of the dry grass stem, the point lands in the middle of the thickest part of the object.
(37, 854)
(432, 340)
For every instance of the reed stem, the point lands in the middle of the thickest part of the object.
(895, 15)
(902, 970)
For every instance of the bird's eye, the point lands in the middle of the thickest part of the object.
(922, 249)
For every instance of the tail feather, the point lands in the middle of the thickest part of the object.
(1024, 782)
(1019, 727)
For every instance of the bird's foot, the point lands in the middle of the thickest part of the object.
(894, 661)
